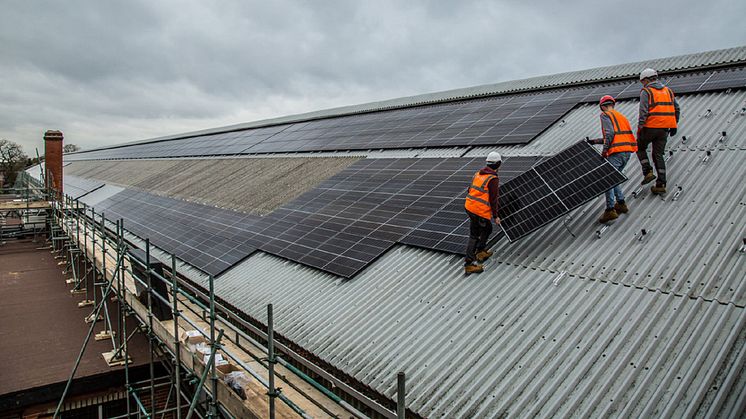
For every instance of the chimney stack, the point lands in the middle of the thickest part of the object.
(53, 161)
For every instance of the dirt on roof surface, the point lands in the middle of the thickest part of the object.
(41, 327)
(255, 186)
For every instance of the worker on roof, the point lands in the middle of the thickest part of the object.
(619, 143)
(481, 207)
(659, 117)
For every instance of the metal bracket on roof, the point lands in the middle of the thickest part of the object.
(600, 231)
(643, 233)
(743, 246)
(707, 113)
(637, 191)
(669, 156)
(677, 193)
(556, 280)
(723, 136)
(743, 111)
(707, 156)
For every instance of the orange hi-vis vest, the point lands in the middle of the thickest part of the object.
(662, 113)
(478, 199)
(623, 140)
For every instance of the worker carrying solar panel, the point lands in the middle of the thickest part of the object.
(659, 117)
(481, 207)
(618, 145)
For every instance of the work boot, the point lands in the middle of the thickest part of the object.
(621, 208)
(649, 177)
(609, 214)
(473, 268)
(658, 189)
(484, 255)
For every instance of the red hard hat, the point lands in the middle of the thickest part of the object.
(605, 100)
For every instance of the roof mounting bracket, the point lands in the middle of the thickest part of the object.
(743, 246)
(707, 113)
(743, 111)
(723, 136)
(707, 156)
(556, 280)
(600, 231)
(677, 193)
(637, 191)
(643, 233)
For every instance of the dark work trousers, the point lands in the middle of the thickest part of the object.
(479, 231)
(657, 137)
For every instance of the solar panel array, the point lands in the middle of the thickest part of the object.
(507, 119)
(554, 187)
(447, 229)
(353, 217)
(212, 239)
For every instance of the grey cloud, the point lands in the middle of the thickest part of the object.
(108, 72)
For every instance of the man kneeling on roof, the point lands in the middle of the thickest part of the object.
(619, 143)
(481, 207)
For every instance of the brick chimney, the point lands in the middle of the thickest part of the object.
(53, 160)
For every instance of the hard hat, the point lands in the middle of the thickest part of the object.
(648, 73)
(494, 157)
(606, 100)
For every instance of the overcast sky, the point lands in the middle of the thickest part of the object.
(106, 72)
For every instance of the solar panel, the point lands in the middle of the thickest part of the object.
(352, 218)
(448, 228)
(554, 187)
(212, 239)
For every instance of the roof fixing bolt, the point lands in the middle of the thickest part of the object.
(722, 136)
(743, 111)
(683, 139)
(643, 233)
(707, 156)
(743, 246)
(707, 113)
(600, 231)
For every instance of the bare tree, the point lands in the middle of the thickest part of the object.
(70, 148)
(12, 159)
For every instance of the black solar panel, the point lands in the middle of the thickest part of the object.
(355, 216)
(554, 187)
(212, 239)
(448, 228)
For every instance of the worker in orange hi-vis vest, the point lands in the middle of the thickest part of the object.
(659, 117)
(481, 207)
(619, 144)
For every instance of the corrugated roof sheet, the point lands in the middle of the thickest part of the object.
(516, 340)
(669, 64)
(651, 327)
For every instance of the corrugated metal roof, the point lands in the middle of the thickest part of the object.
(515, 340)
(651, 327)
(669, 64)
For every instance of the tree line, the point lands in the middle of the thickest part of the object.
(13, 160)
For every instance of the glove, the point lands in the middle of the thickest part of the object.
(672, 131)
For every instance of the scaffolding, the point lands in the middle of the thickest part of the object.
(217, 364)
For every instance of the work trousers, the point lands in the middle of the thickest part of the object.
(657, 137)
(479, 232)
(615, 194)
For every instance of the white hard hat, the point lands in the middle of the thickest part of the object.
(648, 73)
(494, 157)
